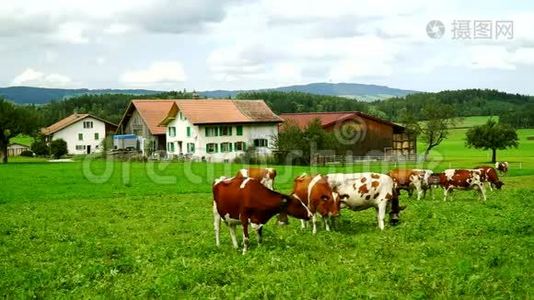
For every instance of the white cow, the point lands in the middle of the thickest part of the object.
(360, 191)
(424, 176)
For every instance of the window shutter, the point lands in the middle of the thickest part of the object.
(239, 130)
(230, 132)
(206, 131)
(230, 147)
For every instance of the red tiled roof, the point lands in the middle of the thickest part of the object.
(69, 121)
(211, 111)
(328, 119)
(153, 112)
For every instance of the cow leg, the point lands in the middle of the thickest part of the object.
(490, 187)
(419, 190)
(381, 213)
(482, 192)
(326, 223)
(216, 224)
(314, 225)
(303, 224)
(231, 227)
(259, 230)
(445, 192)
(245, 237)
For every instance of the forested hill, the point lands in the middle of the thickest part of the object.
(470, 102)
(515, 109)
(37, 95)
(364, 92)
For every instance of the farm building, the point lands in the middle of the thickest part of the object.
(210, 129)
(142, 118)
(365, 135)
(83, 133)
(219, 130)
(15, 149)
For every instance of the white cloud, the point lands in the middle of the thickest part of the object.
(31, 77)
(158, 73)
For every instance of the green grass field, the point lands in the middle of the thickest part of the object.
(145, 230)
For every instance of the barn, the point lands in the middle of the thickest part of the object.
(364, 135)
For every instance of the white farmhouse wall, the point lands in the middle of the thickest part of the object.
(200, 140)
(70, 135)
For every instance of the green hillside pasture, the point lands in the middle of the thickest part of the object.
(137, 235)
(453, 150)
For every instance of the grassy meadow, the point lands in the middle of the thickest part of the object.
(113, 229)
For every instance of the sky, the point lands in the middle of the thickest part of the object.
(249, 44)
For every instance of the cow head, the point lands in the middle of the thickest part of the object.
(394, 214)
(329, 204)
(498, 184)
(296, 207)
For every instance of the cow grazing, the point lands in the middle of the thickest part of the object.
(424, 176)
(246, 201)
(502, 167)
(407, 179)
(463, 179)
(318, 196)
(489, 175)
(264, 175)
(360, 191)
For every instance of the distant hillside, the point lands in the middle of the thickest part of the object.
(364, 92)
(35, 95)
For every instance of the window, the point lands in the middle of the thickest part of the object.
(188, 131)
(225, 131)
(170, 147)
(80, 136)
(190, 148)
(260, 143)
(239, 130)
(226, 147)
(97, 137)
(88, 124)
(211, 148)
(211, 131)
(172, 131)
(240, 146)
(80, 147)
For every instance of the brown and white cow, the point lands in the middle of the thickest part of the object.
(407, 179)
(264, 175)
(360, 191)
(489, 175)
(463, 179)
(318, 196)
(502, 167)
(246, 201)
(424, 175)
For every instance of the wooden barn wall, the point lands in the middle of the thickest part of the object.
(378, 136)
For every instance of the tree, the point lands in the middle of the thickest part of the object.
(15, 120)
(58, 148)
(439, 118)
(39, 146)
(492, 135)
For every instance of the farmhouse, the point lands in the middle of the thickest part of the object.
(364, 135)
(219, 130)
(15, 149)
(209, 129)
(142, 118)
(83, 133)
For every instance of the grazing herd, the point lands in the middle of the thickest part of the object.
(249, 199)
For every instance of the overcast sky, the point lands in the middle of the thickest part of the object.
(232, 44)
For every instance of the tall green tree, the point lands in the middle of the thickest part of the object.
(15, 120)
(492, 135)
(439, 118)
